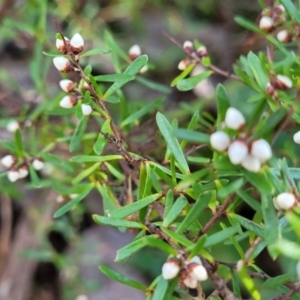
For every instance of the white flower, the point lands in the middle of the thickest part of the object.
(86, 109)
(202, 51)
(198, 272)
(261, 149)
(134, 52)
(188, 46)
(266, 23)
(190, 282)
(7, 161)
(283, 82)
(283, 36)
(237, 152)
(234, 119)
(13, 175)
(183, 64)
(298, 269)
(77, 43)
(61, 46)
(66, 85)
(12, 126)
(251, 163)
(62, 64)
(38, 164)
(219, 140)
(170, 268)
(67, 101)
(285, 201)
(23, 172)
(296, 137)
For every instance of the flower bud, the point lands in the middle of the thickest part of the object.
(188, 280)
(266, 24)
(284, 36)
(170, 268)
(285, 201)
(261, 149)
(239, 265)
(234, 119)
(23, 172)
(197, 271)
(298, 269)
(283, 82)
(219, 140)
(13, 175)
(183, 64)
(38, 164)
(60, 45)
(270, 89)
(296, 137)
(237, 152)
(144, 69)
(134, 52)
(76, 43)
(251, 163)
(86, 109)
(279, 9)
(202, 51)
(188, 46)
(62, 64)
(67, 85)
(7, 161)
(12, 126)
(68, 101)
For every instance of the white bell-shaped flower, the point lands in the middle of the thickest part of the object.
(219, 140)
(237, 152)
(261, 149)
(285, 201)
(234, 119)
(251, 163)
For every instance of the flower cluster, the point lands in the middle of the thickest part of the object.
(18, 170)
(285, 201)
(251, 155)
(191, 271)
(71, 47)
(189, 48)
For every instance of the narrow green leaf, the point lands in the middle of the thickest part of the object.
(220, 236)
(169, 202)
(65, 208)
(176, 237)
(291, 9)
(140, 113)
(95, 85)
(33, 176)
(183, 74)
(110, 203)
(132, 69)
(174, 212)
(144, 188)
(161, 88)
(191, 136)
(231, 188)
(19, 142)
(100, 144)
(113, 222)
(91, 158)
(96, 51)
(136, 245)
(52, 159)
(223, 103)
(114, 77)
(259, 74)
(85, 173)
(287, 248)
(247, 24)
(79, 132)
(197, 246)
(272, 283)
(190, 83)
(167, 132)
(198, 207)
(254, 204)
(249, 284)
(259, 181)
(161, 289)
(135, 206)
(121, 278)
(250, 225)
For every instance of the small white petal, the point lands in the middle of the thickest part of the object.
(12, 126)
(188, 46)
(285, 201)
(219, 140)
(13, 175)
(38, 164)
(23, 172)
(61, 63)
(190, 282)
(296, 137)
(237, 152)
(285, 81)
(199, 273)
(283, 36)
(170, 269)
(135, 51)
(67, 102)
(77, 41)
(266, 23)
(298, 269)
(86, 109)
(234, 119)
(60, 43)
(251, 163)
(261, 149)
(66, 85)
(7, 161)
